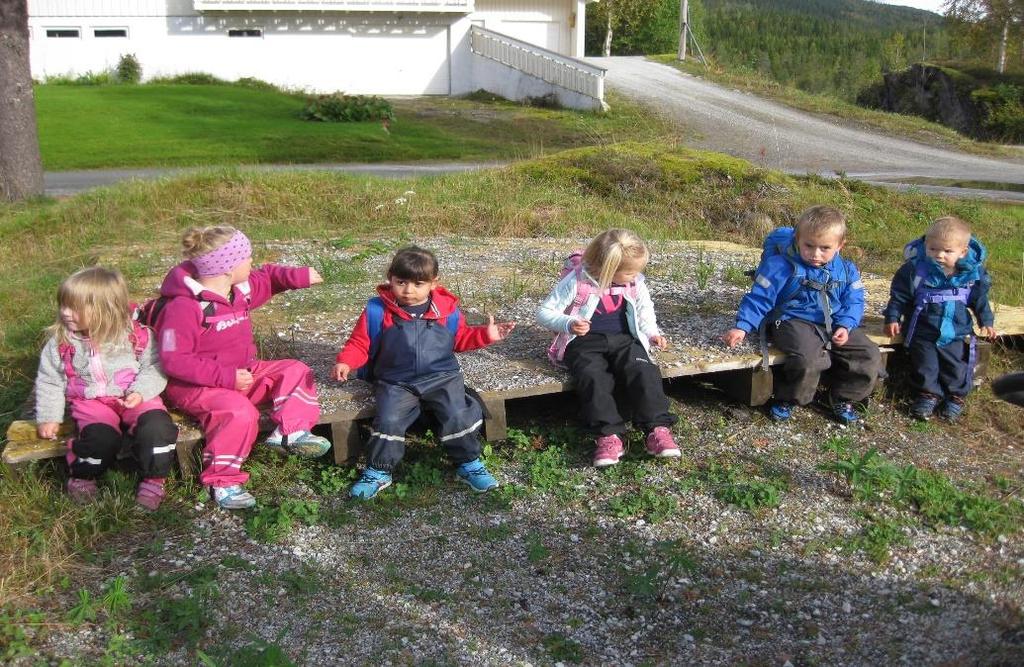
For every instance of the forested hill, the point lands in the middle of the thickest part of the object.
(834, 46)
(859, 13)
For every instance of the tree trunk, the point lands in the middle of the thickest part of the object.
(606, 48)
(1002, 46)
(21, 170)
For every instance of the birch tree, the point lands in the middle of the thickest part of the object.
(1000, 17)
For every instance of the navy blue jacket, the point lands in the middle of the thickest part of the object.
(953, 318)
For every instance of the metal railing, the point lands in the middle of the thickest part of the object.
(564, 71)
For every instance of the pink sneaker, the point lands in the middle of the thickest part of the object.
(608, 452)
(82, 491)
(660, 443)
(151, 493)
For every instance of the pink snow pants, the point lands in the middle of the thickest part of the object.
(230, 418)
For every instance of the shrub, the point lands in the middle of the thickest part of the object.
(86, 79)
(129, 70)
(1004, 111)
(341, 108)
(191, 78)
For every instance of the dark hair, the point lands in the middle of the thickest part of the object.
(413, 263)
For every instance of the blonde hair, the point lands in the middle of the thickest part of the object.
(949, 228)
(818, 220)
(99, 297)
(611, 251)
(201, 240)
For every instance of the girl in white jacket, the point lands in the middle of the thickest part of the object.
(103, 365)
(604, 317)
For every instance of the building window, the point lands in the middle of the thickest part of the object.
(62, 32)
(110, 32)
(246, 32)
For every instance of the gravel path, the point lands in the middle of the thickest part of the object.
(647, 563)
(782, 138)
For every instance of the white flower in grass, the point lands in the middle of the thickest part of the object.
(408, 193)
(401, 200)
(378, 207)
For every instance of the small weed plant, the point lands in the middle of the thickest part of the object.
(272, 524)
(649, 504)
(563, 649)
(334, 270)
(731, 485)
(704, 270)
(930, 495)
(876, 539)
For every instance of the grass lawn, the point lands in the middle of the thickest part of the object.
(662, 191)
(84, 127)
(898, 125)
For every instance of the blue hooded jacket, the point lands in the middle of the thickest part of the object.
(777, 284)
(941, 323)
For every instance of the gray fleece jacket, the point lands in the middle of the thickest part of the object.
(114, 372)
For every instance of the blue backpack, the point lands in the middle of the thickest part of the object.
(782, 241)
(375, 324)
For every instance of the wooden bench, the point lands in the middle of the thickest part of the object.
(739, 376)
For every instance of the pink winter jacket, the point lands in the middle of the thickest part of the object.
(206, 349)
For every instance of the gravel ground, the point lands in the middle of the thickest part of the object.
(642, 564)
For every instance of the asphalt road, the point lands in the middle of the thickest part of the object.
(779, 137)
(64, 183)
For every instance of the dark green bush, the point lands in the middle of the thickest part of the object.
(1003, 104)
(340, 108)
(129, 70)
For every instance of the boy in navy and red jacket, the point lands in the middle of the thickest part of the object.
(406, 339)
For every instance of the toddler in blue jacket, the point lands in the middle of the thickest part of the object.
(935, 291)
(812, 302)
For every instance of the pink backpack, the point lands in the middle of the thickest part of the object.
(584, 289)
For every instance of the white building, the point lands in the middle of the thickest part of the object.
(515, 48)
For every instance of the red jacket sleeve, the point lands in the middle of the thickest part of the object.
(270, 279)
(356, 351)
(180, 325)
(470, 338)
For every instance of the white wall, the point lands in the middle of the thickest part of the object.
(546, 23)
(356, 53)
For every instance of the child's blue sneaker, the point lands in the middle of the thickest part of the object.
(232, 497)
(924, 406)
(302, 443)
(952, 408)
(844, 413)
(371, 483)
(780, 411)
(476, 476)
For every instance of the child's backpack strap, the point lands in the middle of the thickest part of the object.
(67, 355)
(374, 325)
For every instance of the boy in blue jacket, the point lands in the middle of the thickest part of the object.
(935, 291)
(813, 300)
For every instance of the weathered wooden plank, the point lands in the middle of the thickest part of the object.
(495, 422)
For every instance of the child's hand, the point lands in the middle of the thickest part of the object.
(132, 400)
(243, 380)
(314, 277)
(733, 337)
(891, 329)
(340, 372)
(988, 332)
(48, 430)
(840, 336)
(499, 331)
(659, 341)
(580, 327)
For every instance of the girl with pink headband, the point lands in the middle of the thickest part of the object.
(209, 355)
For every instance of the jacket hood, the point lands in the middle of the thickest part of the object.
(968, 268)
(443, 302)
(182, 281)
